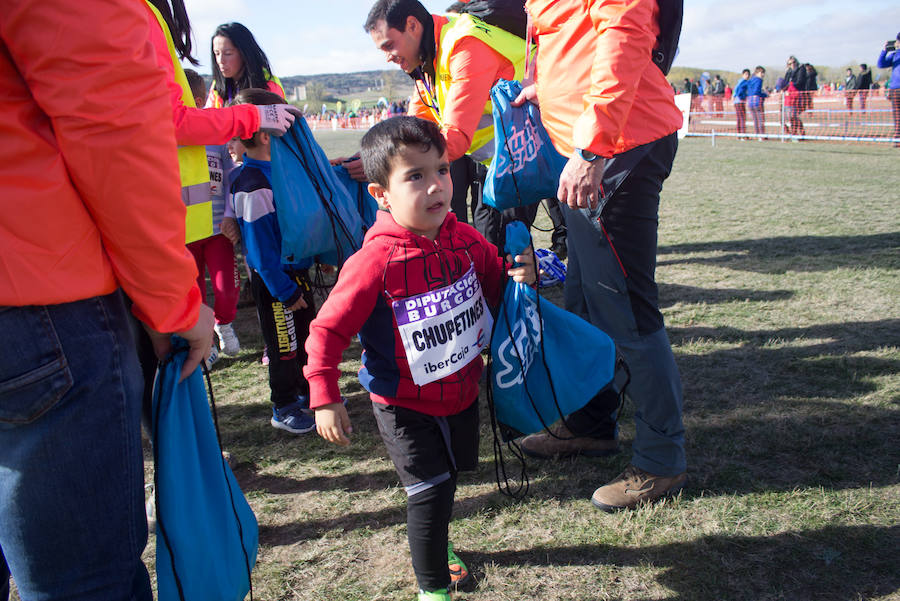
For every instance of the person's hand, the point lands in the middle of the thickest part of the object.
(579, 183)
(333, 423)
(230, 229)
(529, 93)
(524, 272)
(199, 339)
(300, 304)
(276, 119)
(354, 167)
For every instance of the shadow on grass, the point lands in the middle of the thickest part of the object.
(788, 407)
(795, 253)
(832, 563)
(391, 515)
(670, 294)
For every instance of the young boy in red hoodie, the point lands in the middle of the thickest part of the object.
(419, 294)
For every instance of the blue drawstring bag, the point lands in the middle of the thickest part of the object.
(526, 167)
(545, 362)
(316, 214)
(206, 533)
(365, 203)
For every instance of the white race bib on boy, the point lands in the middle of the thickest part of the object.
(443, 330)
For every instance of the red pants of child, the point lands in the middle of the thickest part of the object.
(217, 254)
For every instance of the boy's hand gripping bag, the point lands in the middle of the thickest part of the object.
(206, 533)
(546, 362)
(365, 203)
(526, 167)
(316, 215)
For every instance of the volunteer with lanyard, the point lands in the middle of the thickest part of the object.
(454, 61)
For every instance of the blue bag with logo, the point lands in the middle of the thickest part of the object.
(526, 167)
(365, 203)
(206, 533)
(316, 215)
(545, 362)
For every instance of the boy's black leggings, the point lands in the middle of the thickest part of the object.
(427, 520)
(285, 333)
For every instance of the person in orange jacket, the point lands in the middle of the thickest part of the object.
(613, 113)
(92, 211)
(454, 61)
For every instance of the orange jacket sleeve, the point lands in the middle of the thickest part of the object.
(626, 34)
(474, 68)
(197, 126)
(92, 74)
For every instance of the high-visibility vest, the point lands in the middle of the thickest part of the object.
(218, 103)
(191, 159)
(507, 45)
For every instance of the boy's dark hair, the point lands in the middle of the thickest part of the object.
(387, 139)
(747, 71)
(258, 97)
(256, 64)
(863, 66)
(195, 80)
(395, 12)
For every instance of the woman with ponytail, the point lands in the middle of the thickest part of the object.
(238, 63)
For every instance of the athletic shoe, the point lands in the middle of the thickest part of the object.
(213, 357)
(560, 442)
(439, 595)
(228, 340)
(292, 419)
(635, 487)
(459, 573)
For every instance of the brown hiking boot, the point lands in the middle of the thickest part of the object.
(635, 487)
(545, 445)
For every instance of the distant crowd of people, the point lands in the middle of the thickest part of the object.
(798, 86)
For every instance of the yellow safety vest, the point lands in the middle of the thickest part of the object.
(507, 45)
(219, 103)
(191, 159)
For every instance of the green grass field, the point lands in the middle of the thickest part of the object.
(779, 273)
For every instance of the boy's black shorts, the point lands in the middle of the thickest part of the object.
(420, 445)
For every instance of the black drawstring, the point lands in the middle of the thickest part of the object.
(159, 513)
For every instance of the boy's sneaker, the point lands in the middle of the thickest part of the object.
(439, 595)
(459, 573)
(228, 340)
(213, 357)
(292, 419)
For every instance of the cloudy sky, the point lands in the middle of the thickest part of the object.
(305, 37)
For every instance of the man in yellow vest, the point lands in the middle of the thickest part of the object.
(454, 61)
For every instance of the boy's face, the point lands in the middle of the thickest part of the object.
(418, 192)
(236, 149)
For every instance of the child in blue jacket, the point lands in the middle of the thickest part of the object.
(282, 291)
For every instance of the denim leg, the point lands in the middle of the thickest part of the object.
(71, 467)
(626, 307)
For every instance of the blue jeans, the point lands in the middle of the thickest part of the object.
(627, 307)
(71, 468)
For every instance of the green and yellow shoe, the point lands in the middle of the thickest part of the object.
(459, 573)
(439, 595)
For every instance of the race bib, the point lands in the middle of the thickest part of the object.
(443, 330)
